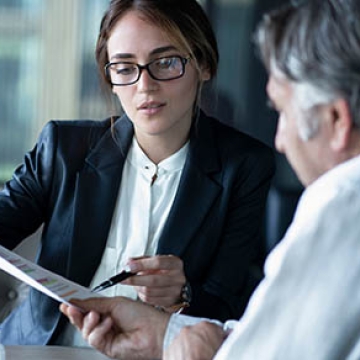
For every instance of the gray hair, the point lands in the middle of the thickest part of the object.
(316, 43)
(307, 97)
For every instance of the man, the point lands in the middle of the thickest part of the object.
(308, 305)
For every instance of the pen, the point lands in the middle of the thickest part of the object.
(113, 280)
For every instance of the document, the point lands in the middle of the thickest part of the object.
(51, 284)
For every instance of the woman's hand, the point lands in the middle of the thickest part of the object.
(159, 279)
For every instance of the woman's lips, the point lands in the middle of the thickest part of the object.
(151, 108)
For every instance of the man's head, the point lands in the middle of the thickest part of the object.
(312, 52)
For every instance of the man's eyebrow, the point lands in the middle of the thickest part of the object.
(157, 51)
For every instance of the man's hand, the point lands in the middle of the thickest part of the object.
(160, 279)
(198, 342)
(119, 327)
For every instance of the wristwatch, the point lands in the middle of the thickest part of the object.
(186, 293)
(185, 299)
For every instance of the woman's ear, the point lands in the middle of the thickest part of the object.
(341, 123)
(205, 75)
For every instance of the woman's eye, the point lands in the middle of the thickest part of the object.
(121, 69)
(166, 63)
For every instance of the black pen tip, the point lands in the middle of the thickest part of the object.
(96, 289)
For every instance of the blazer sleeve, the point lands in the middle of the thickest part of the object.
(24, 198)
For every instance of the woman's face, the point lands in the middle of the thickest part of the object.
(156, 108)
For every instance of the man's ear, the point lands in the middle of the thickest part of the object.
(341, 124)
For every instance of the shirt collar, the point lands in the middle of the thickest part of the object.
(173, 163)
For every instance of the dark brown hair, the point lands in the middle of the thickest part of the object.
(183, 20)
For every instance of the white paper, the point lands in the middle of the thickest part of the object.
(51, 284)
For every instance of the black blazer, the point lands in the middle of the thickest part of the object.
(69, 182)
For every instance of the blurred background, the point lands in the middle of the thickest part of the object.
(48, 71)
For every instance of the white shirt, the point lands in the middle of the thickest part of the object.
(308, 305)
(142, 207)
(140, 213)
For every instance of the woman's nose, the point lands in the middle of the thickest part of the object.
(146, 82)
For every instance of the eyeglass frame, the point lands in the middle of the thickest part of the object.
(183, 61)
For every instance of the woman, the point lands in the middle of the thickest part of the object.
(164, 190)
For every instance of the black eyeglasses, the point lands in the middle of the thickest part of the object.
(163, 69)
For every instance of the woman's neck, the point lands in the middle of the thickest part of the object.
(158, 149)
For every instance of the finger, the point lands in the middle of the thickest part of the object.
(97, 337)
(74, 315)
(164, 298)
(63, 308)
(159, 301)
(157, 292)
(139, 257)
(163, 262)
(90, 321)
(157, 280)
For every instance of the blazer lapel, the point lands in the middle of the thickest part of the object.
(96, 194)
(198, 189)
